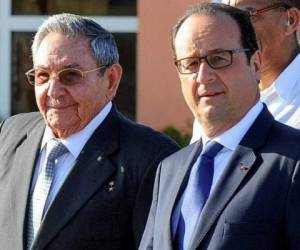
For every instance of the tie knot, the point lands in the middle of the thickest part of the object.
(57, 149)
(211, 149)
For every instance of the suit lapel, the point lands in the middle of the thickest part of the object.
(25, 160)
(91, 171)
(179, 185)
(239, 166)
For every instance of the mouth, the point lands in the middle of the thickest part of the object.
(209, 94)
(60, 107)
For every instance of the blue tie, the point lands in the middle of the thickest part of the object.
(196, 194)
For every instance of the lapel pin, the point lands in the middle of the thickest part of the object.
(111, 186)
(243, 167)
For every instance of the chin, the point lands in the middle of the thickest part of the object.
(62, 123)
(65, 131)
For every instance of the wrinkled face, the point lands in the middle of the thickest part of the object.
(218, 98)
(69, 108)
(269, 26)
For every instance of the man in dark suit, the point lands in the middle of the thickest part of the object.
(239, 187)
(77, 175)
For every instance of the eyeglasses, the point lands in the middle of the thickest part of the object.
(257, 12)
(68, 76)
(216, 60)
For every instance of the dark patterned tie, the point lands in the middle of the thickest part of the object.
(40, 193)
(196, 194)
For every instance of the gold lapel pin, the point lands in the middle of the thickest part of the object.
(111, 186)
(243, 167)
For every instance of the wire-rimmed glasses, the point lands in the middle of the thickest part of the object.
(257, 12)
(68, 76)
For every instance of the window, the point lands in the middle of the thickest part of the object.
(87, 7)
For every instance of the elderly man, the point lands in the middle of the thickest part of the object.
(220, 193)
(275, 23)
(77, 175)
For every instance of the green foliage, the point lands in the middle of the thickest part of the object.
(183, 139)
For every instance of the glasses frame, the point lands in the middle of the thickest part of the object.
(201, 58)
(52, 74)
(257, 12)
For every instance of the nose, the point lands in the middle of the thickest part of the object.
(205, 74)
(55, 87)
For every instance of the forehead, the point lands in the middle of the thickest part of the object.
(201, 33)
(57, 49)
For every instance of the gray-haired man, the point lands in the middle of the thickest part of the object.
(77, 174)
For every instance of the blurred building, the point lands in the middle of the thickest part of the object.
(149, 92)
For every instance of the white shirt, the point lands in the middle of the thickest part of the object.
(74, 143)
(282, 98)
(230, 139)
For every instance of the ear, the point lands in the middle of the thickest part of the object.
(292, 22)
(113, 74)
(255, 63)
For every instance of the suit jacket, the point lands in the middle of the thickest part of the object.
(86, 213)
(255, 204)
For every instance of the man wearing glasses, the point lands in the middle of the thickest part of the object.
(239, 186)
(77, 174)
(275, 23)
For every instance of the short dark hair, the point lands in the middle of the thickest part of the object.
(242, 18)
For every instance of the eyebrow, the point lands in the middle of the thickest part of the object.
(217, 50)
(208, 53)
(68, 66)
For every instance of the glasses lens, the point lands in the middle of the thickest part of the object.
(219, 59)
(40, 76)
(188, 65)
(70, 76)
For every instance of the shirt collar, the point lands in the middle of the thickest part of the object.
(75, 142)
(232, 137)
(286, 83)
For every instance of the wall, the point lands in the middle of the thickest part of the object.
(159, 99)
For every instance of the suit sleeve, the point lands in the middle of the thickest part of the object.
(293, 211)
(144, 194)
(147, 239)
